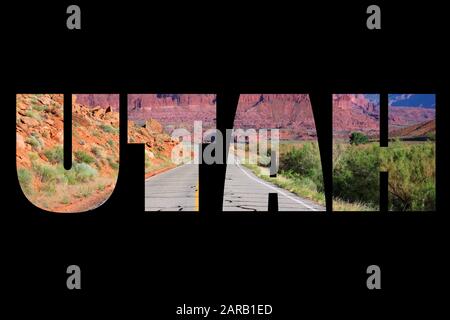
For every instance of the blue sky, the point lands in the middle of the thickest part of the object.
(373, 97)
(413, 100)
(407, 100)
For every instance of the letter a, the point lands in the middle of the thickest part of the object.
(374, 20)
(374, 281)
(74, 280)
(74, 20)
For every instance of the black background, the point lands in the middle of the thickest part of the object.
(136, 263)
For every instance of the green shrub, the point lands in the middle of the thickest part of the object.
(33, 114)
(431, 136)
(25, 178)
(411, 169)
(113, 163)
(70, 175)
(97, 151)
(39, 107)
(357, 138)
(84, 172)
(49, 188)
(356, 175)
(111, 143)
(55, 155)
(96, 134)
(303, 161)
(33, 156)
(64, 200)
(44, 172)
(34, 142)
(83, 192)
(108, 129)
(412, 173)
(82, 156)
(33, 99)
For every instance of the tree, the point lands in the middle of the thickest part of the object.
(358, 138)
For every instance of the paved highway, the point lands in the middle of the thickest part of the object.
(177, 190)
(173, 190)
(246, 192)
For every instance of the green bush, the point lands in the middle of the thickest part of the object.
(431, 136)
(55, 155)
(83, 192)
(357, 138)
(96, 134)
(70, 176)
(25, 178)
(412, 173)
(34, 141)
(97, 151)
(356, 175)
(82, 156)
(49, 188)
(33, 114)
(46, 173)
(411, 168)
(304, 162)
(113, 164)
(108, 129)
(84, 172)
(39, 108)
(33, 156)
(64, 200)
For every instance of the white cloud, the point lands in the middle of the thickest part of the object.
(400, 97)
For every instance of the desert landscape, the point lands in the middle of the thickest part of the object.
(299, 180)
(409, 159)
(153, 118)
(290, 113)
(40, 155)
(173, 111)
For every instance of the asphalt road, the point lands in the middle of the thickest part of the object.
(177, 190)
(246, 192)
(173, 190)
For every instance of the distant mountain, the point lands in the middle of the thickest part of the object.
(290, 112)
(400, 117)
(361, 113)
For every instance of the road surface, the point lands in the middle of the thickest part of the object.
(246, 192)
(177, 190)
(173, 190)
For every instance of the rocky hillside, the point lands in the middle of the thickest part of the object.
(158, 145)
(423, 129)
(291, 113)
(95, 144)
(174, 110)
(101, 100)
(357, 113)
